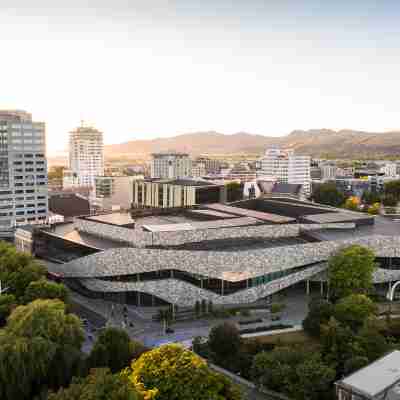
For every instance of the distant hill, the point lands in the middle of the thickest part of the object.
(321, 142)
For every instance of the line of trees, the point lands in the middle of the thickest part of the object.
(41, 355)
(344, 332)
(327, 193)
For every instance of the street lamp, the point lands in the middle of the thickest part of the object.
(3, 290)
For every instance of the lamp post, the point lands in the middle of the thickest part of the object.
(3, 290)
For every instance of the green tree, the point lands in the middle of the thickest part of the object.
(373, 343)
(7, 303)
(314, 379)
(99, 385)
(295, 372)
(319, 312)
(276, 369)
(355, 363)
(114, 349)
(43, 342)
(47, 319)
(224, 343)
(354, 310)
(350, 271)
(234, 191)
(389, 200)
(370, 197)
(18, 270)
(392, 188)
(172, 373)
(327, 193)
(338, 344)
(44, 289)
(24, 365)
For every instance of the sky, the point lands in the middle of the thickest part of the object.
(140, 69)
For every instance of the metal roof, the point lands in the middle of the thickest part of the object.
(114, 218)
(263, 216)
(376, 378)
(194, 225)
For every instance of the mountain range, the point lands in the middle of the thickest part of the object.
(316, 142)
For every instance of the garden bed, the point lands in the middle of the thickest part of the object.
(250, 321)
(267, 328)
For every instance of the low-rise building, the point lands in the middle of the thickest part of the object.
(114, 192)
(377, 381)
(175, 193)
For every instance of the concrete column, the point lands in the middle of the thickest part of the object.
(201, 283)
(322, 288)
(172, 273)
(247, 283)
(138, 293)
(307, 287)
(222, 287)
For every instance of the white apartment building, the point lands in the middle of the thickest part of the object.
(287, 167)
(23, 170)
(171, 165)
(389, 169)
(86, 159)
(198, 170)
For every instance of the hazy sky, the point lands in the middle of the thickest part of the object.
(149, 68)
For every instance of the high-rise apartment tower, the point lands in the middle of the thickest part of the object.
(23, 170)
(86, 159)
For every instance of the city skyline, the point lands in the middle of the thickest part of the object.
(146, 69)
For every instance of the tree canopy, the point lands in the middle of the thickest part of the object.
(319, 312)
(170, 372)
(234, 191)
(354, 309)
(392, 188)
(295, 372)
(370, 197)
(44, 289)
(99, 385)
(350, 271)
(18, 270)
(7, 303)
(327, 193)
(224, 343)
(114, 349)
(40, 344)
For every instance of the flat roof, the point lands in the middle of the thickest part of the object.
(382, 226)
(375, 378)
(326, 218)
(195, 225)
(212, 213)
(262, 216)
(114, 218)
